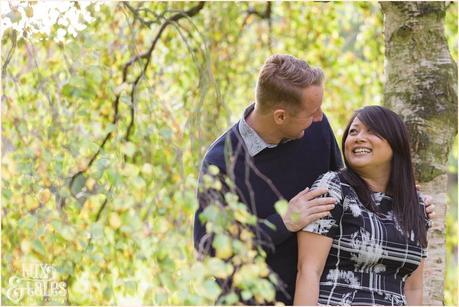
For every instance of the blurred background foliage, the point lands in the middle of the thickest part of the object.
(115, 220)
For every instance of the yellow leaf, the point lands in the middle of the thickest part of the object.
(147, 169)
(213, 170)
(44, 195)
(25, 246)
(222, 245)
(90, 184)
(115, 221)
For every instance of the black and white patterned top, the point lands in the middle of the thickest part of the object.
(370, 257)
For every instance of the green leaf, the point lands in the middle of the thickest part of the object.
(229, 299)
(213, 170)
(295, 217)
(108, 293)
(38, 247)
(165, 133)
(281, 207)
(220, 268)
(95, 73)
(128, 149)
(67, 90)
(78, 184)
(246, 295)
(269, 224)
(223, 246)
(67, 232)
(212, 290)
(28, 222)
(166, 280)
(97, 231)
(130, 286)
(210, 214)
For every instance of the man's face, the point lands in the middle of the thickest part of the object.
(310, 111)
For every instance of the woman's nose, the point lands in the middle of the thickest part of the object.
(360, 138)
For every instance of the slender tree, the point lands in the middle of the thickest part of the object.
(421, 86)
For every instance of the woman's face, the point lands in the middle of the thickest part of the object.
(365, 151)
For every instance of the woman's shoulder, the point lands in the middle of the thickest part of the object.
(327, 178)
(330, 181)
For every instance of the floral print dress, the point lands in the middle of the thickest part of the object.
(370, 257)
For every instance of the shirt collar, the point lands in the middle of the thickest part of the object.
(252, 140)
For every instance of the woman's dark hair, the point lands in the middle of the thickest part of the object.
(401, 186)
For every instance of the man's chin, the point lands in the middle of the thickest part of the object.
(296, 137)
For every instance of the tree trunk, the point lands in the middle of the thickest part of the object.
(421, 86)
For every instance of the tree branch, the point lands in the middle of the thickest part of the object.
(170, 21)
(263, 15)
(10, 53)
(249, 12)
(146, 55)
(136, 13)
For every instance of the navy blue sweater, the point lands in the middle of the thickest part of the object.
(291, 167)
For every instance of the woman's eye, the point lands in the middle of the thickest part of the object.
(352, 132)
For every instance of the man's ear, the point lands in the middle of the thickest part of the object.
(279, 116)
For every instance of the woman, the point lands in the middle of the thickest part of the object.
(370, 249)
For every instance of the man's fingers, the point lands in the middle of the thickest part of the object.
(319, 209)
(321, 201)
(315, 193)
(310, 212)
(316, 216)
(306, 190)
(299, 195)
(427, 200)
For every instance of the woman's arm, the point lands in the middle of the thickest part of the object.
(414, 285)
(313, 251)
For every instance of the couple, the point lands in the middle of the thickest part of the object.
(358, 235)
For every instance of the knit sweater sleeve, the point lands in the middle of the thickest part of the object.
(207, 195)
(336, 161)
(203, 241)
(276, 235)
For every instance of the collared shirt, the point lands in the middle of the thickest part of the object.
(252, 140)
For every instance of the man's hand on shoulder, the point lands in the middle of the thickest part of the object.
(429, 206)
(307, 207)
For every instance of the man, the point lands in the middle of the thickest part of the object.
(280, 146)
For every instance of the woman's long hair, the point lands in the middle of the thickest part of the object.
(401, 186)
